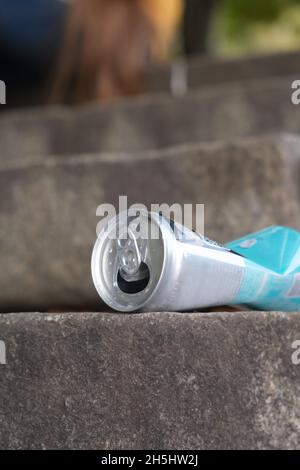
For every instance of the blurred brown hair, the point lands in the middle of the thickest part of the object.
(106, 49)
(108, 45)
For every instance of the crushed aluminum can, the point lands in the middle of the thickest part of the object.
(150, 263)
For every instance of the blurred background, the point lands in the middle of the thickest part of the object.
(77, 51)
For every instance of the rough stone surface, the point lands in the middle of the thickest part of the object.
(150, 381)
(213, 113)
(48, 211)
(207, 71)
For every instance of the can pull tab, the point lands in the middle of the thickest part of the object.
(129, 254)
(132, 272)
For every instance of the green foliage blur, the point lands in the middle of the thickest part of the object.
(242, 27)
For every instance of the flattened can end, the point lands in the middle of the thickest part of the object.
(128, 261)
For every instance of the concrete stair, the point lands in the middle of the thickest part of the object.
(196, 73)
(150, 381)
(209, 114)
(48, 210)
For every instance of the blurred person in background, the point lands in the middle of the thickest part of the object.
(93, 49)
(109, 44)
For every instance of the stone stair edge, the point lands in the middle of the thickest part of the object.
(272, 138)
(144, 101)
(227, 315)
(198, 62)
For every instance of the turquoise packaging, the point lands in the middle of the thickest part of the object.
(271, 280)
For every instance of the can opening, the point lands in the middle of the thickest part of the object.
(138, 282)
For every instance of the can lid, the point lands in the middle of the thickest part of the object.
(128, 260)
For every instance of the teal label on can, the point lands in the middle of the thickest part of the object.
(272, 269)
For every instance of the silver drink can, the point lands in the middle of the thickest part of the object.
(147, 262)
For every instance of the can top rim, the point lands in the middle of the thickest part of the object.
(104, 267)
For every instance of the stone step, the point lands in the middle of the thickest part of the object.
(213, 113)
(150, 381)
(48, 210)
(182, 76)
